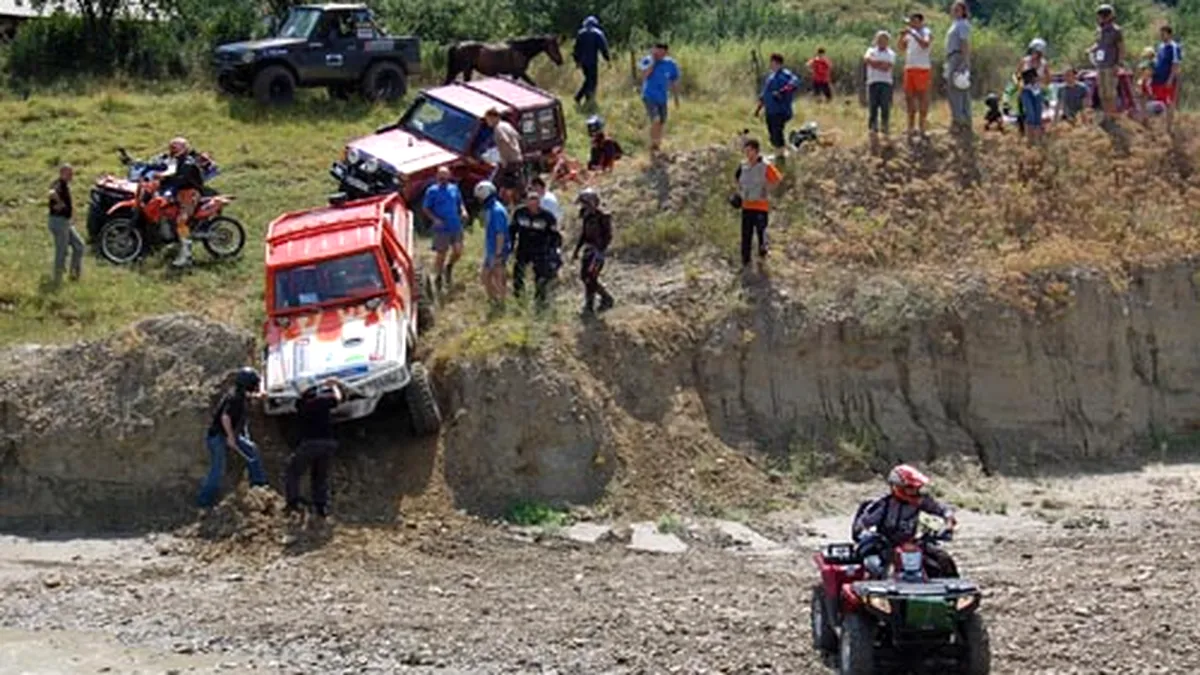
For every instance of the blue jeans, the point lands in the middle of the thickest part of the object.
(211, 488)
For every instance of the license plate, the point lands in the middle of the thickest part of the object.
(357, 184)
(910, 561)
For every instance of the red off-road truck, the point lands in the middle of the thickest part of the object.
(442, 126)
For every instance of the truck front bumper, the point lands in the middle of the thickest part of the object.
(364, 394)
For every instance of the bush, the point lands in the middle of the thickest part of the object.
(132, 48)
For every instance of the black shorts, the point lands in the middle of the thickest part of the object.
(509, 177)
(822, 89)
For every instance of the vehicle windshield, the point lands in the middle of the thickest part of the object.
(353, 276)
(299, 23)
(440, 123)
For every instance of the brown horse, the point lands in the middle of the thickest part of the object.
(509, 58)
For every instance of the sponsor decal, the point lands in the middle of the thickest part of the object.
(379, 46)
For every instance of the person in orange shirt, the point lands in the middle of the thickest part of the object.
(755, 178)
(822, 75)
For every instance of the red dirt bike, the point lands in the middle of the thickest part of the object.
(147, 221)
(865, 618)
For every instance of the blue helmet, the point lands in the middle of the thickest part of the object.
(247, 379)
(591, 22)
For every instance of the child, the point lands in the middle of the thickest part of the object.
(822, 75)
(1072, 97)
(994, 118)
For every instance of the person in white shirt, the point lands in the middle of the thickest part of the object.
(549, 200)
(880, 61)
(918, 67)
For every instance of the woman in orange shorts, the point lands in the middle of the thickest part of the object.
(915, 41)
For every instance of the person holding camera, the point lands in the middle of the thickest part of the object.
(317, 444)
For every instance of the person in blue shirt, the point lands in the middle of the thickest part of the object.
(590, 45)
(443, 206)
(496, 244)
(660, 73)
(779, 89)
(1165, 80)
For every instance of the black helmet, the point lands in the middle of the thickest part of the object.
(247, 379)
(589, 197)
(595, 124)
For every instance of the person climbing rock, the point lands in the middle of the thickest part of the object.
(317, 444)
(230, 431)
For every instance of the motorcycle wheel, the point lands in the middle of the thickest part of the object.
(226, 237)
(121, 241)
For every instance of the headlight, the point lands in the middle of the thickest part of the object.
(353, 155)
(880, 603)
(371, 165)
(965, 602)
(247, 57)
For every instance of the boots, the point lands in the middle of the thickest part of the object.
(184, 257)
(606, 301)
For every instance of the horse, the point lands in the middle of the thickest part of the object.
(509, 58)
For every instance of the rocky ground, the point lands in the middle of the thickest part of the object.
(1083, 575)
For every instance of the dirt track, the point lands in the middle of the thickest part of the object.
(1104, 588)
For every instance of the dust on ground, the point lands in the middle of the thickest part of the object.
(1082, 575)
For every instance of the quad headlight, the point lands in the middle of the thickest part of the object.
(880, 603)
(965, 602)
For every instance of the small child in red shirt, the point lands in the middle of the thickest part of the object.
(605, 150)
(822, 75)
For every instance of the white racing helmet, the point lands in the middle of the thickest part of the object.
(1037, 45)
(484, 189)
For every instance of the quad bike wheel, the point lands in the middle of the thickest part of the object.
(384, 81)
(274, 85)
(825, 640)
(856, 649)
(422, 402)
(977, 659)
(226, 237)
(121, 241)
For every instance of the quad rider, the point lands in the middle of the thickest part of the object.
(595, 234)
(537, 240)
(894, 518)
(185, 179)
(605, 150)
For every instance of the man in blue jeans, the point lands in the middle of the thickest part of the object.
(229, 431)
(659, 75)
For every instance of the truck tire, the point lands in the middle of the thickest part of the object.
(384, 81)
(856, 649)
(426, 301)
(422, 402)
(274, 85)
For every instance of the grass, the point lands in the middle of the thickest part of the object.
(535, 514)
(841, 210)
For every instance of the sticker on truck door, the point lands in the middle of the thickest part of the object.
(379, 46)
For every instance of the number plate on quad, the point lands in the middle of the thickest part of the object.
(927, 614)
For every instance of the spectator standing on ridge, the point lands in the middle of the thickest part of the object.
(511, 173)
(230, 430)
(822, 75)
(916, 42)
(496, 242)
(537, 240)
(443, 206)
(595, 235)
(1107, 54)
(62, 210)
(755, 177)
(316, 448)
(1073, 98)
(1033, 73)
(880, 61)
(1164, 83)
(660, 74)
(548, 199)
(958, 67)
(590, 45)
(779, 89)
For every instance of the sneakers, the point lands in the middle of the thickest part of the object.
(606, 303)
(450, 275)
(184, 257)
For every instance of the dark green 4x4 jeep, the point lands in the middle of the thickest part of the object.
(339, 47)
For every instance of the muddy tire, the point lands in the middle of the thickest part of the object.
(227, 237)
(426, 301)
(825, 640)
(422, 402)
(856, 648)
(384, 81)
(274, 85)
(977, 659)
(120, 241)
